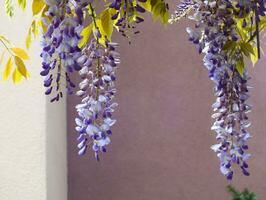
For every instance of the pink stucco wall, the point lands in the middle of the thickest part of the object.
(161, 143)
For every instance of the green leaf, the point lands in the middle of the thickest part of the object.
(247, 48)
(2, 56)
(254, 57)
(4, 39)
(156, 10)
(241, 31)
(245, 195)
(146, 5)
(159, 10)
(85, 33)
(229, 45)
(9, 8)
(240, 66)
(154, 2)
(165, 17)
(7, 69)
(112, 12)
(28, 39)
(22, 4)
(37, 6)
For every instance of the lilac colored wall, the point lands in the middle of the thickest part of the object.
(160, 146)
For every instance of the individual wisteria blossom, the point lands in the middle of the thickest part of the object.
(97, 90)
(60, 49)
(216, 27)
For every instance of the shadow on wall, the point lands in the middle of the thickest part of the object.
(56, 158)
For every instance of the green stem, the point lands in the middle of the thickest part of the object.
(98, 69)
(6, 47)
(257, 33)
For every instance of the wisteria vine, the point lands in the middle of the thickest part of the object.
(218, 37)
(60, 45)
(78, 38)
(67, 48)
(97, 90)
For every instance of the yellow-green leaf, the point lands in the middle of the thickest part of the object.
(4, 39)
(35, 28)
(9, 8)
(22, 4)
(241, 31)
(28, 39)
(102, 39)
(240, 67)
(16, 76)
(156, 10)
(21, 67)
(254, 57)
(113, 12)
(7, 70)
(165, 17)
(229, 45)
(146, 5)
(107, 23)
(20, 53)
(247, 48)
(45, 19)
(2, 56)
(37, 6)
(85, 33)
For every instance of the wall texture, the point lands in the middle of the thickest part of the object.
(33, 132)
(161, 143)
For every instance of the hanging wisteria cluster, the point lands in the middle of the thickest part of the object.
(97, 90)
(77, 37)
(67, 47)
(218, 35)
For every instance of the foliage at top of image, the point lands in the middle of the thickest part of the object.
(244, 195)
(77, 37)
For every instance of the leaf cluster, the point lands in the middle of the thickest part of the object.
(106, 25)
(14, 61)
(245, 195)
(9, 6)
(247, 46)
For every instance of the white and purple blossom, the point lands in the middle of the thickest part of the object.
(60, 45)
(215, 27)
(97, 90)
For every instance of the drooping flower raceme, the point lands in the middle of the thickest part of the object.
(60, 45)
(97, 90)
(127, 16)
(215, 29)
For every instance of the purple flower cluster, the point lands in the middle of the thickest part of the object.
(60, 45)
(127, 16)
(97, 91)
(215, 26)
